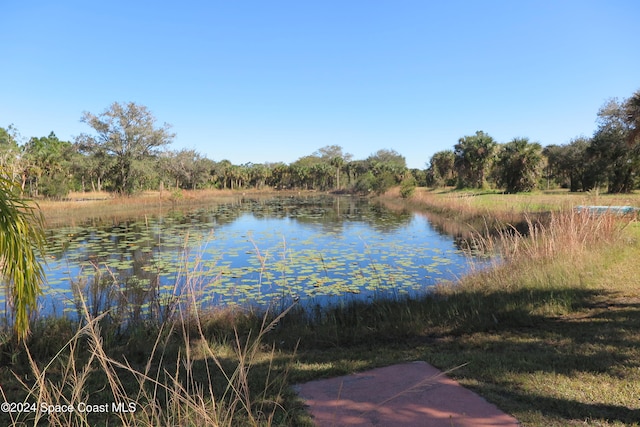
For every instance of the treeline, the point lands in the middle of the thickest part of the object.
(128, 152)
(609, 159)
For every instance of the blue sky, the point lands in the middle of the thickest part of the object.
(257, 81)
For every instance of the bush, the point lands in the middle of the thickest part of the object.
(54, 187)
(407, 187)
(384, 181)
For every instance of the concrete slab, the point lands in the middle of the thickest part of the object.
(409, 394)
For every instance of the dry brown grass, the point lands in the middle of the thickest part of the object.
(79, 207)
(564, 233)
(59, 391)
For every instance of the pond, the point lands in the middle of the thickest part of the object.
(250, 252)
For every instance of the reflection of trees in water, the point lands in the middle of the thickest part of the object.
(464, 235)
(386, 220)
(131, 293)
(127, 240)
(131, 257)
(329, 211)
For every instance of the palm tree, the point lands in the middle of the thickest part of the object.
(519, 165)
(21, 236)
(337, 162)
(474, 155)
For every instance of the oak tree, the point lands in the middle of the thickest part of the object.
(127, 133)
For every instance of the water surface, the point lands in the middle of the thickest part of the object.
(318, 250)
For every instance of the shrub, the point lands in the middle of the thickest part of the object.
(407, 187)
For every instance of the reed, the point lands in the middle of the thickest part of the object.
(85, 384)
(565, 232)
(180, 368)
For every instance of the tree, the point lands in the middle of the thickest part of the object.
(420, 176)
(239, 175)
(407, 187)
(331, 155)
(48, 165)
(474, 155)
(127, 133)
(259, 175)
(222, 172)
(321, 176)
(441, 168)
(615, 146)
(632, 118)
(187, 169)
(519, 165)
(93, 164)
(570, 163)
(388, 167)
(329, 152)
(21, 236)
(302, 173)
(391, 159)
(8, 139)
(356, 169)
(337, 162)
(9, 151)
(280, 176)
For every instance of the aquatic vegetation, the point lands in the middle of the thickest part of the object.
(260, 253)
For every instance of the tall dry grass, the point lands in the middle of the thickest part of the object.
(566, 233)
(64, 390)
(545, 270)
(466, 205)
(183, 376)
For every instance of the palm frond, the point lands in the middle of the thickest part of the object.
(21, 238)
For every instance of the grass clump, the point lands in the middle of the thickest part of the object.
(176, 375)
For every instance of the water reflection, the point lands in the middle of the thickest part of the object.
(248, 252)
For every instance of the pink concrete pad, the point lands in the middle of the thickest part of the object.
(410, 394)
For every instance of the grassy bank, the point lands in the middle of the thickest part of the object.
(466, 204)
(549, 335)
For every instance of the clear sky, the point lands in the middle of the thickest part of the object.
(270, 80)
